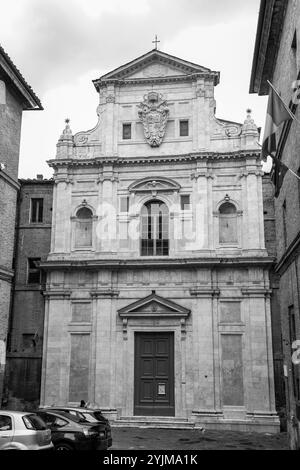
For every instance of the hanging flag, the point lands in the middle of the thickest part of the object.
(277, 113)
(280, 170)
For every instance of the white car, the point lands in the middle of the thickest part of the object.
(21, 430)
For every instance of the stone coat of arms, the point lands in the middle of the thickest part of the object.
(154, 113)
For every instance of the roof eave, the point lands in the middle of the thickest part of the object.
(265, 51)
(29, 99)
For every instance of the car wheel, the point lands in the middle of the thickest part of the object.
(63, 446)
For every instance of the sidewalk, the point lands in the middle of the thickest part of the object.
(181, 439)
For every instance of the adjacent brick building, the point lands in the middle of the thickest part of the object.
(277, 59)
(15, 97)
(25, 339)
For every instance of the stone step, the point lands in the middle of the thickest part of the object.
(152, 422)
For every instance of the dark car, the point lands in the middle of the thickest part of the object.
(71, 433)
(91, 415)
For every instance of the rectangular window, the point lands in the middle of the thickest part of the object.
(284, 224)
(293, 337)
(28, 342)
(126, 131)
(2, 92)
(124, 204)
(34, 273)
(298, 173)
(294, 65)
(184, 128)
(36, 213)
(292, 324)
(185, 204)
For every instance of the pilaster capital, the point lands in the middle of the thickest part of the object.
(57, 295)
(104, 293)
(202, 174)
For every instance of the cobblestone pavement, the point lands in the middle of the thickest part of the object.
(181, 439)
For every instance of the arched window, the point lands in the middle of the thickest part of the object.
(84, 226)
(227, 223)
(155, 229)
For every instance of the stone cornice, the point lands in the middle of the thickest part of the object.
(122, 161)
(6, 274)
(151, 80)
(9, 180)
(292, 252)
(213, 261)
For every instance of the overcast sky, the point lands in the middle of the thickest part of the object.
(60, 46)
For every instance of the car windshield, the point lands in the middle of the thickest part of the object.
(98, 415)
(88, 417)
(34, 422)
(72, 417)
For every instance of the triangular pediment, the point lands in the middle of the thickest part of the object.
(156, 64)
(154, 306)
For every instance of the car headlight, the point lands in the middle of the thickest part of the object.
(89, 432)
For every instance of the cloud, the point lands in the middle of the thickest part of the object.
(59, 41)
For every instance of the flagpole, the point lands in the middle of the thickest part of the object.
(295, 174)
(286, 107)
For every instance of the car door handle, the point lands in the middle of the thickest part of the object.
(4, 435)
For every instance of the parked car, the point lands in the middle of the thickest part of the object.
(23, 431)
(71, 433)
(91, 415)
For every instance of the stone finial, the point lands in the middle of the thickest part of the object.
(250, 134)
(249, 124)
(67, 133)
(65, 143)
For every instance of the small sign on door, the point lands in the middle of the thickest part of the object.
(161, 389)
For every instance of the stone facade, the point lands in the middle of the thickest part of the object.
(279, 32)
(15, 96)
(25, 338)
(196, 273)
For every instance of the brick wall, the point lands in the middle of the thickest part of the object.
(270, 240)
(288, 219)
(26, 333)
(10, 132)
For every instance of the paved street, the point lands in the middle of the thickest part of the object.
(179, 439)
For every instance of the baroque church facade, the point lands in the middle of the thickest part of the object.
(157, 303)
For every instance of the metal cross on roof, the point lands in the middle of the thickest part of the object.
(155, 41)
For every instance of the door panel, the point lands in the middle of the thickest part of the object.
(154, 374)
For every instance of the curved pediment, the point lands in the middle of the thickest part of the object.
(154, 185)
(154, 306)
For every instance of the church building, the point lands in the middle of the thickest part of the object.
(157, 302)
